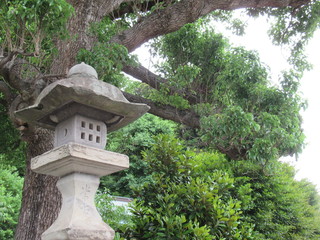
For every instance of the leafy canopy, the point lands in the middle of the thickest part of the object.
(241, 113)
(25, 23)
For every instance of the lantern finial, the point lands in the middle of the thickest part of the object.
(83, 68)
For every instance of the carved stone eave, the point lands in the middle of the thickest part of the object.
(85, 94)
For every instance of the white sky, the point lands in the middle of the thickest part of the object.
(256, 38)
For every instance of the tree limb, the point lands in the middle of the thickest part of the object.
(186, 117)
(175, 16)
(146, 76)
(11, 55)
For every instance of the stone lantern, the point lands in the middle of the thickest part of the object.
(80, 109)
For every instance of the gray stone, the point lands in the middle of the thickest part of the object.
(78, 218)
(85, 95)
(83, 68)
(82, 130)
(73, 157)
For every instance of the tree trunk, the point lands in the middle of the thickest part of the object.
(41, 199)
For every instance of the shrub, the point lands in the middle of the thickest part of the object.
(10, 200)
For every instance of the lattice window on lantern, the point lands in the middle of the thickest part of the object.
(81, 130)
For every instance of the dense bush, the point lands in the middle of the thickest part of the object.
(10, 200)
(182, 203)
(201, 195)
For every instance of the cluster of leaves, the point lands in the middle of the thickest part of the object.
(181, 203)
(25, 23)
(10, 200)
(12, 149)
(116, 216)
(241, 114)
(108, 60)
(132, 140)
(202, 195)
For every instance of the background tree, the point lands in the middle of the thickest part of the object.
(41, 40)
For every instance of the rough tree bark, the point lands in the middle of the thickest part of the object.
(39, 191)
(41, 200)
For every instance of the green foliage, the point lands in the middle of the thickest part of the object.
(108, 60)
(241, 114)
(25, 23)
(117, 217)
(132, 140)
(183, 203)
(193, 69)
(12, 149)
(281, 208)
(201, 195)
(107, 28)
(10, 200)
(292, 27)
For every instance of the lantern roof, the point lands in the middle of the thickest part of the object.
(82, 93)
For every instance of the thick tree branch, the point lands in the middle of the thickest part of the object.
(143, 74)
(175, 16)
(186, 117)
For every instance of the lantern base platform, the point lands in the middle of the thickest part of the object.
(73, 157)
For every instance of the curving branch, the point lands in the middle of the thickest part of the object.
(175, 16)
(186, 117)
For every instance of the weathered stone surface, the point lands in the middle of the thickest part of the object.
(87, 96)
(83, 68)
(78, 218)
(75, 157)
(82, 130)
